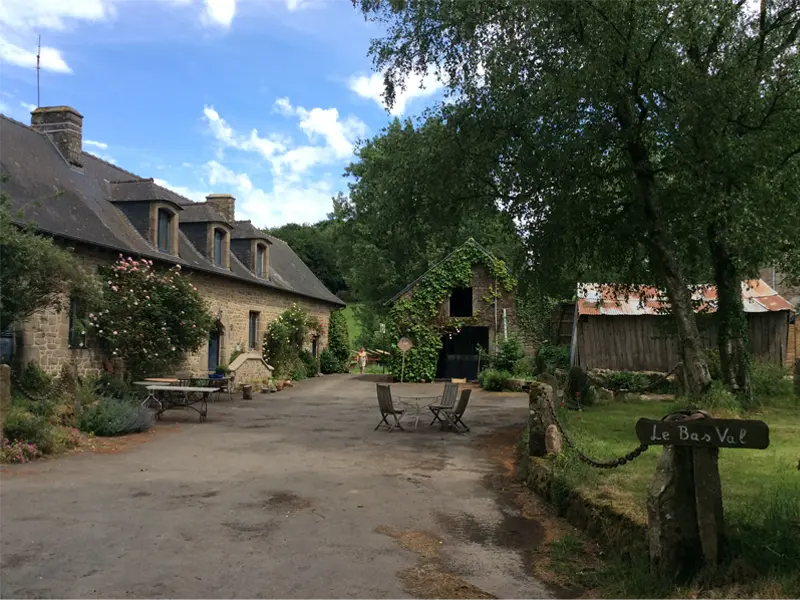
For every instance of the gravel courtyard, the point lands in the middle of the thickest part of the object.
(290, 495)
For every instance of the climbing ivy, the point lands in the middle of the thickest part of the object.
(417, 315)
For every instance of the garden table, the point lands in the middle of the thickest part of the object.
(222, 383)
(417, 403)
(179, 396)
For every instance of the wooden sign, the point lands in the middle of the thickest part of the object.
(405, 344)
(706, 433)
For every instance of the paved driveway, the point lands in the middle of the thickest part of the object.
(289, 495)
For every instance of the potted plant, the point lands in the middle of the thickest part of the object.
(220, 372)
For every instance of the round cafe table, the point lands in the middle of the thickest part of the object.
(416, 404)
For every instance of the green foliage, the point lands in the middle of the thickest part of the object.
(625, 381)
(550, 357)
(509, 352)
(417, 315)
(714, 366)
(338, 339)
(719, 398)
(494, 380)
(236, 353)
(37, 274)
(315, 245)
(108, 385)
(23, 426)
(148, 318)
(114, 416)
(525, 367)
(35, 381)
(222, 370)
(328, 363)
(284, 339)
(309, 363)
(770, 384)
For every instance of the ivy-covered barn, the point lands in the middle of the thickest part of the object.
(463, 305)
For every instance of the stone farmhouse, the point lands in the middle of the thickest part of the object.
(246, 276)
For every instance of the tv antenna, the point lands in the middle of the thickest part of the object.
(38, 69)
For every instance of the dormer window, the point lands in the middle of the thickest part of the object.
(165, 230)
(261, 256)
(219, 247)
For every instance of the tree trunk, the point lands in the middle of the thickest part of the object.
(664, 261)
(730, 318)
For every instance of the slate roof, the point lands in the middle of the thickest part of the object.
(78, 205)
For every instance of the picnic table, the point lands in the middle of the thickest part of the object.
(167, 397)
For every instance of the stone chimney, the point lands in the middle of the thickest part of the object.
(64, 125)
(224, 204)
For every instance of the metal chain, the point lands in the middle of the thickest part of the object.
(617, 462)
(19, 387)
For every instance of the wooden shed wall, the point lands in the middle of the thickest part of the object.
(646, 343)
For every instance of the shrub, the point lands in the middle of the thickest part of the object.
(18, 452)
(508, 354)
(24, 426)
(769, 381)
(579, 390)
(718, 397)
(114, 416)
(626, 381)
(328, 363)
(339, 338)
(714, 365)
(309, 362)
(148, 318)
(35, 381)
(494, 380)
(550, 357)
(107, 384)
(283, 343)
(525, 367)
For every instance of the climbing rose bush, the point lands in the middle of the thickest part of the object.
(148, 318)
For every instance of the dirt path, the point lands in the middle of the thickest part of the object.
(289, 495)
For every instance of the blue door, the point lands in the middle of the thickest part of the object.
(213, 351)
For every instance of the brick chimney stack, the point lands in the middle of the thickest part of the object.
(224, 204)
(64, 125)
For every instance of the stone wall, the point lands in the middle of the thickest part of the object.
(250, 368)
(44, 338)
(234, 300)
(484, 312)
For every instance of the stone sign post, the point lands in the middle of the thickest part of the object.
(684, 500)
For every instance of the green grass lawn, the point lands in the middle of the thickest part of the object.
(761, 488)
(749, 477)
(353, 324)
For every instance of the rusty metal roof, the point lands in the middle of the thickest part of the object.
(605, 299)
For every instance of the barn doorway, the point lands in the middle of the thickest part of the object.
(458, 357)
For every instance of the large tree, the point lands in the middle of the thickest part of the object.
(414, 199)
(587, 109)
(315, 245)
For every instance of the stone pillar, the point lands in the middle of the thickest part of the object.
(224, 204)
(540, 399)
(64, 125)
(5, 394)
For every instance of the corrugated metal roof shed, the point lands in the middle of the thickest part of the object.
(603, 299)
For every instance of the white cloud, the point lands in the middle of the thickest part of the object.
(331, 138)
(219, 12)
(372, 88)
(287, 202)
(100, 145)
(52, 14)
(51, 58)
(186, 192)
(28, 106)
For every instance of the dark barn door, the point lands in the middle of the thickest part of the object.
(458, 357)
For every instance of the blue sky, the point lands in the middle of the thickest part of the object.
(263, 99)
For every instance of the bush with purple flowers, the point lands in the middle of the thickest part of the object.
(18, 452)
